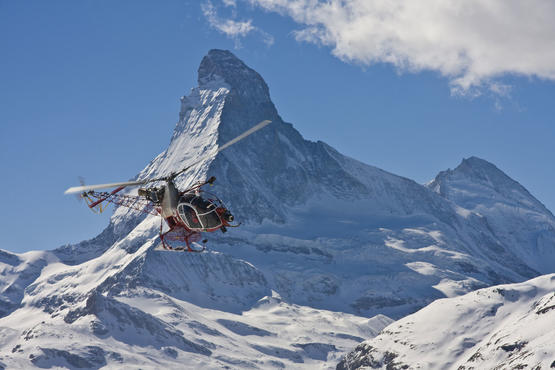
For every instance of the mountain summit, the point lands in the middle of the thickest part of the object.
(519, 221)
(220, 65)
(482, 177)
(324, 239)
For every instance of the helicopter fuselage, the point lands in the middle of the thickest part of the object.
(189, 209)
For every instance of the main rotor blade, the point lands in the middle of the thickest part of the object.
(78, 189)
(250, 131)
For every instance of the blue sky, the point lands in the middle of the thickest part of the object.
(91, 88)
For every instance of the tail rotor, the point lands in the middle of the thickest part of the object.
(86, 197)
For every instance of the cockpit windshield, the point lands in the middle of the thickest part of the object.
(198, 213)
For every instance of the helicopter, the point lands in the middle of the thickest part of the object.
(187, 213)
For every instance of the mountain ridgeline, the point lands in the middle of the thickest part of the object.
(324, 238)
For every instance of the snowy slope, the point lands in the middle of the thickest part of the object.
(17, 271)
(148, 308)
(325, 239)
(503, 327)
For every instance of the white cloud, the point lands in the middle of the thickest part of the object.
(230, 27)
(471, 42)
(227, 26)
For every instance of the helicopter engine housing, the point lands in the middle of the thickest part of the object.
(170, 200)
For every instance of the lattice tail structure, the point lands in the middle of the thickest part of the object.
(95, 201)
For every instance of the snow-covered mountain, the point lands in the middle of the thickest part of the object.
(374, 242)
(521, 223)
(503, 327)
(326, 243)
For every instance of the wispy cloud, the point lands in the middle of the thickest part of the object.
(471, 42)
(230, 27)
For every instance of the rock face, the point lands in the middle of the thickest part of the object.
(503, 327)
(325, 239)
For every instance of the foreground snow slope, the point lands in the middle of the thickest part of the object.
(503, 327)
(150, 309)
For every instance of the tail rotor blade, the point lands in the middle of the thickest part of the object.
(79, 196)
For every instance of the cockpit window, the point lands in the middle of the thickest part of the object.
(189, 216)
(198, 213)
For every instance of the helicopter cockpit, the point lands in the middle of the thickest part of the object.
(197, 213)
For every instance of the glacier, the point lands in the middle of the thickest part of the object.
(330, 251)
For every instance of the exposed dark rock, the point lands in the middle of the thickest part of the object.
(365, 355)
(513, 346)
(279, 352)
(244, 329)
(90, 357)
(316, 351)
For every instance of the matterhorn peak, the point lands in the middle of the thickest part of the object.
(223, 66)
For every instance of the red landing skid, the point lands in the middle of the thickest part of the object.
(180, 239)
